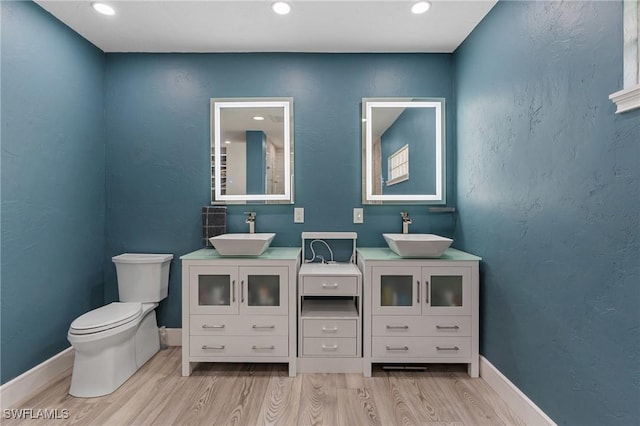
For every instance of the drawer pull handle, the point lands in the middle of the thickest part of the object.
(329, 348)
(418, 291)
(454, 348)
(205, 347)
(447, 327)
(397, 327)
(326, 285)
(255, 327)
(263, 348)
(233, 291)
(242, 291)
(212, 326)
(397, 348)
(426, 292)
(329, 330)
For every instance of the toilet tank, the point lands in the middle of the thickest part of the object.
(142, 277)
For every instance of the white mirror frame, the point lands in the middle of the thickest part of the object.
(368, 197)
(287, 104)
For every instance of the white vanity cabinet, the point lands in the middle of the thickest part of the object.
(239, 309)
(420, 310)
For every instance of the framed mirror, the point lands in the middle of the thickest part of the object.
(252, 151)
(403, 151)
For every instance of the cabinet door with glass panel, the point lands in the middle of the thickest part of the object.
(397, 290)
(231, 290)
(447, 291)
(421, 291)
(263, 290)
(214, 290)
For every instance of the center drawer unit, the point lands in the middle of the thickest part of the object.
(329, 312)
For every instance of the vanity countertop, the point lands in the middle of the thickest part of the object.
(384, 253)
(272, 253)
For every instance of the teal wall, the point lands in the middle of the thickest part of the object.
(53, 192)
(547, 183)
(158, 162)
(549, 195)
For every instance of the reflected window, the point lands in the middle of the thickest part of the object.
(398, 166)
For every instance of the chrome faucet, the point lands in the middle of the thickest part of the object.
(251, 220)
(406, 221)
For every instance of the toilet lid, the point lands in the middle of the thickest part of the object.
(106, 317)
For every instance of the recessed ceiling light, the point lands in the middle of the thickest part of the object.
(420, 7)
(227, 142)
(258, 118)
(281, 7)
(103, 8)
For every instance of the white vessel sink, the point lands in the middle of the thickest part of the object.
(417, 245)
(242, 244)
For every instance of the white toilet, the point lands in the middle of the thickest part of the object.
(113, 341)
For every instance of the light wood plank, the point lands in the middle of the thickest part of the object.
(391, 407)
(263, 394)
(357, 407)
(244, 406)
(426, 408)
(318, 405)
(282, 400)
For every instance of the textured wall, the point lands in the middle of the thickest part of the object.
(53, 191)
(548, 194)
(157, 108)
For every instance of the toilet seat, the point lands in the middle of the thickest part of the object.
(105, 318)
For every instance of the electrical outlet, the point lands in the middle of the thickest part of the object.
(358, 215)
(298, 215)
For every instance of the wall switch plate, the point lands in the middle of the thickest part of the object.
(298, 215)
(358, 215)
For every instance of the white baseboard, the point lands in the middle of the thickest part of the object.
(28, 383)
(174, 336)
(526, 409)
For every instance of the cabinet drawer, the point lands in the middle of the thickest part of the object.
(249, 346)
(421, 347)
(249, 325)
(329, 328)
(421, 325)
(330, 286)
(318, 346)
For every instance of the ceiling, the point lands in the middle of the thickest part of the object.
(251, 26)
(237, 121)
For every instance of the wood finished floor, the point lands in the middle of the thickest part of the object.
(263, 394)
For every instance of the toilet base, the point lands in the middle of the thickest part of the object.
(147, 339)
(103, 363)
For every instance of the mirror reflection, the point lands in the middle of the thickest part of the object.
(252, 150)
(403, 151)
